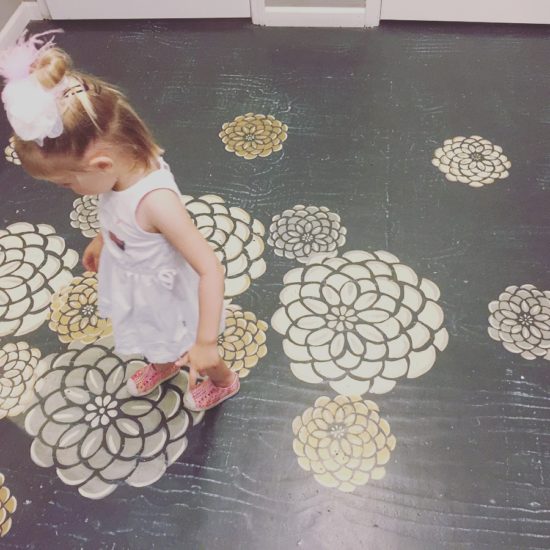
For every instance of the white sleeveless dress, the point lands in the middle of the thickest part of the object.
(146, 287)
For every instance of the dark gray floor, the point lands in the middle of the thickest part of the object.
(365, 111)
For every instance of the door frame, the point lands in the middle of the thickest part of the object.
(295, 16)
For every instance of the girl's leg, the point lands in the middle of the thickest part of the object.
(221, 375)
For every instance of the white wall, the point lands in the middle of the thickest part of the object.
(7, 7)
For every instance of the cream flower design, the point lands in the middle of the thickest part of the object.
(343, 441)
(473, 160)
(302, 232)
(360, 322)
(18, 364)
(237, 240)
(8, 505)
(520, 319)
(250, 136)
(11, 154)
(84, 215)
(86, 424)
(34, 263)
(242, 344)
(74, 314)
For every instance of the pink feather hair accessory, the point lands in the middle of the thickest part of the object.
(16, 62)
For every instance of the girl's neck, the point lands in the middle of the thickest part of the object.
(132, 175)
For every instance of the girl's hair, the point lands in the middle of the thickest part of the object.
(91, 109)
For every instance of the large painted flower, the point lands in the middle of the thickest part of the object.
(18, 364)
(8, 505)
(237, 239)
(11, 154)
(250, 136)
(473, 160)
(34, 263)
(360, 322)
(74, 314)
(520, 319)
(302, 232)
(343, 441)
(86, 424)
(84, 215)
(242, 344)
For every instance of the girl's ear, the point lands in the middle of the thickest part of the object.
(102, 163)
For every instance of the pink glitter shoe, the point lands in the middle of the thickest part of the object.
(206, 396)
(145, 380)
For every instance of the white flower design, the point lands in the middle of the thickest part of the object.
(237, 240)
(520, 319)
(11, 154)
(360, 322)
(302, 232)
(18, 364)
(87, 425)
(84, 215)
(343, 441)
(473, 160)
(34, 263)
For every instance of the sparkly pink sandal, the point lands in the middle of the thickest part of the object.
(206, 395)
(145, 380)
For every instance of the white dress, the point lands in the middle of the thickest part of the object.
(146, 287)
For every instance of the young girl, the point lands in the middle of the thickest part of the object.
(159, 280)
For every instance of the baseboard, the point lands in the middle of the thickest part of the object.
(17, 23)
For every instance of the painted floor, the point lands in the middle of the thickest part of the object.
(380, 203)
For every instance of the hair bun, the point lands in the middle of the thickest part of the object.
(51, 67)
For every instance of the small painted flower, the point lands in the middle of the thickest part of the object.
(74, 314)
(302, 232)
(84, 215)
(8, 505)
(473, 160)
(11, 154)
(250, 136)
(242, 344)
(343, 441)
(18, 363)
(520, 319)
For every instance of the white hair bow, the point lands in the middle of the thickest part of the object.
(32, 110)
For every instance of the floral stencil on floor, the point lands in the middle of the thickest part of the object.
(237, 240)
(18, 364)
(359, 322)
(242, 344)
(84, 215)
(34, 263)
(473, 160)
(74, 314)
(97, 436)
(8, 505)
(520, 319)
(343, 441)
(11, 154)
(302, 232)
(250, 136)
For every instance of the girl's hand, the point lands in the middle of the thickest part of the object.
(90, 258)
(199, 359)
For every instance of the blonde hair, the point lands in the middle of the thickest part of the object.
(91, 110)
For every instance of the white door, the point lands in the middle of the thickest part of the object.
(147, 9)
(492, 11)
